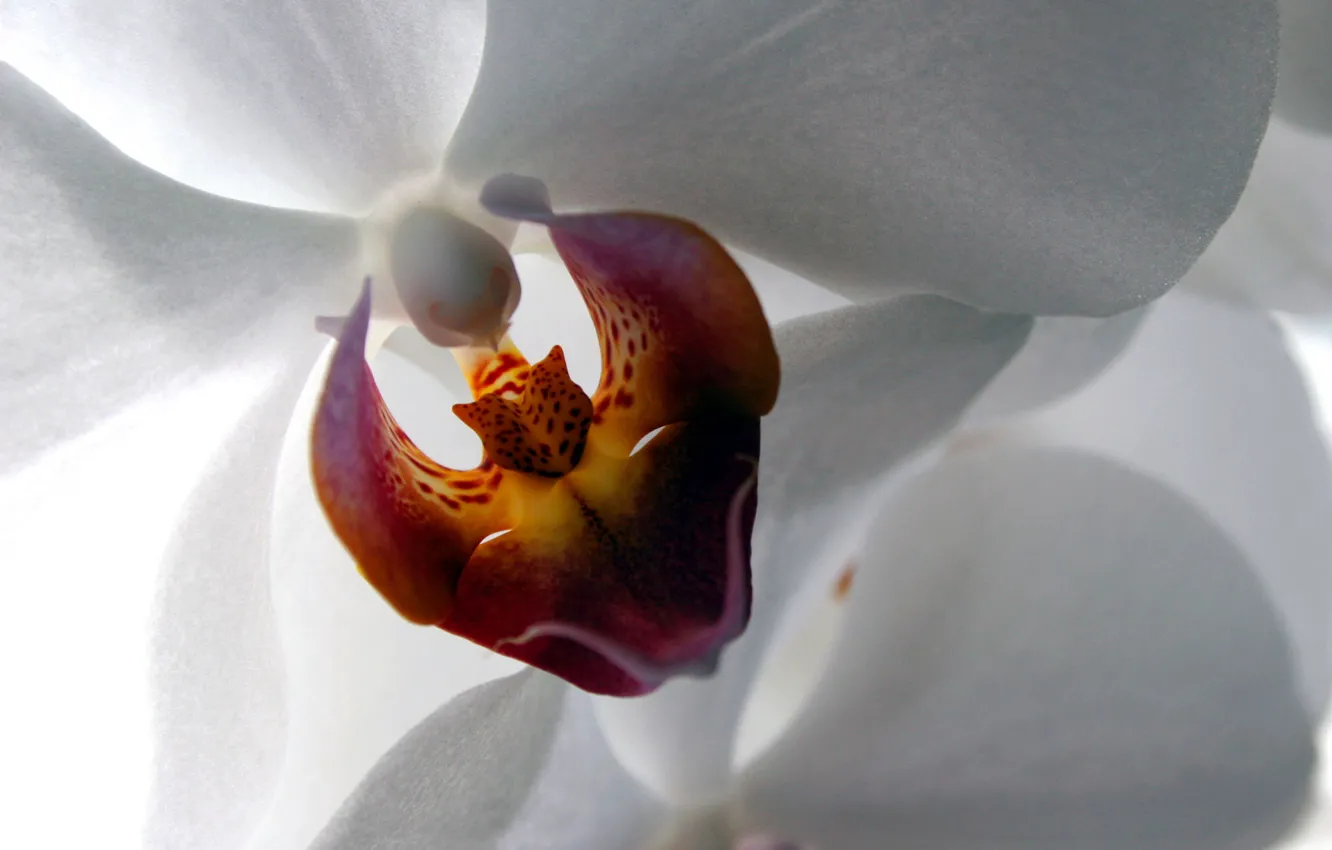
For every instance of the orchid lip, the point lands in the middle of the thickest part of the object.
(604, 537)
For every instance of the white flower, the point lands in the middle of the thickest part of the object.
(1024, 617)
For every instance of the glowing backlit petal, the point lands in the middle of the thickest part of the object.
(605, 538)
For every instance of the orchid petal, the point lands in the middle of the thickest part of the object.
(785, 294)
(460, 775)
(303, 104)
(1276, 250)
(1062, 355)
(79, 620)
(128, 290)
(1047, 650)
(220, 703)
(1304, 89)
(583, 800)
(1208, 400)
(516, 764)
(124, 283)
(357, 677)
(864, 390)
(1023, 156)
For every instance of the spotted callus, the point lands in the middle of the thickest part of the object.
(571, 546)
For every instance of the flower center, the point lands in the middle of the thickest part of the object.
(539, 429)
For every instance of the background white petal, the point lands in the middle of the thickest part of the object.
(864, 390)
(219, 701)
(1046, 650)
(126, 291)
(1028, 155)
(1061, 355)
(1304, 90)
(120, 282)
(460, 775)
(516, 764)
(583, 799)
(1276, 250)
(87, 530)
(358, 676)
(313, 105)
(784, 294)
(1208, 400)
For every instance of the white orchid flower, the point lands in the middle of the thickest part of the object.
(1065, 628)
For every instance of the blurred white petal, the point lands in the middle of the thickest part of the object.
(358, 676)
(313, 105)
(1061, 355)
(1029, 155)
(86, 530)
(864, 390)
(515, 764)
(122, 283)
(1304, 93)
(1276, 250)
(127, 288)
(583, 799)
(785, 295)
(1208, 400)
(1046, 650)
(219, 717)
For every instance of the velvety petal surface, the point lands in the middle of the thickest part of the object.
(516, 764)
(300, 104)
(1304, 90)
(1275, 252)
(127, 291)
(1208, 400)
(865, 390)
(1046, 649)
(1025, 156)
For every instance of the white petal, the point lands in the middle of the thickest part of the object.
(458, 778)
(122, 283)
(1276, 250)
(864, 390)
(358, 676)
(1061, 355)
(583, 800)
(785, 295)
(1304, 94)
(303, 104)
(219, 701)
(1208, 400)
(1026, 156)
(91, 523)
(516, 764)
(1314, 831)
(126, 290)
(1046, 650)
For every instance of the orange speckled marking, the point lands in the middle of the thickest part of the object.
(846, 579)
